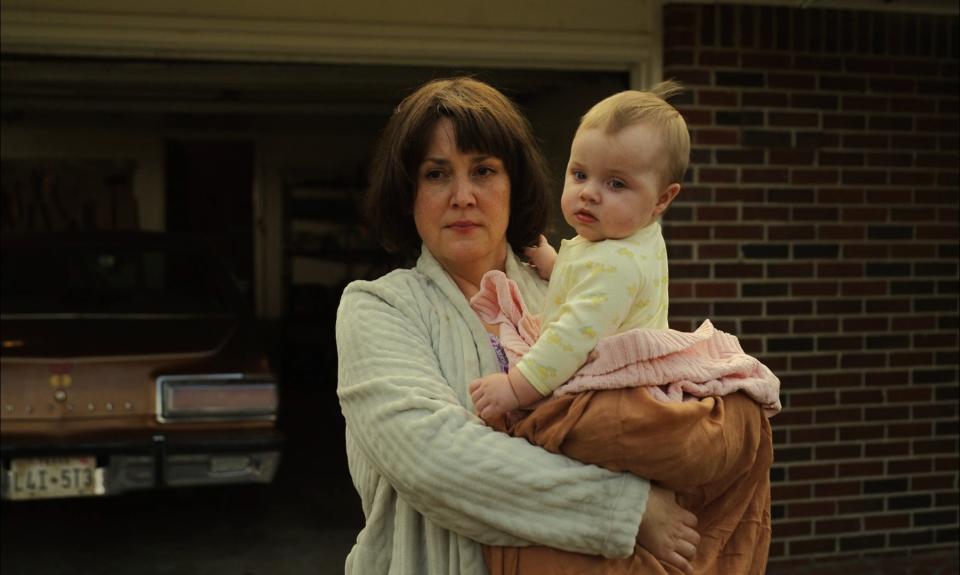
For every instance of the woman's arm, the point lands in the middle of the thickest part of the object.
(409, 424)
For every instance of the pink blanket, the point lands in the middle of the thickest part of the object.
(673, 365)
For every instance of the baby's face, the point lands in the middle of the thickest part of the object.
(613, 186)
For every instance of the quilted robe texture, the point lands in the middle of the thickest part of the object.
(433, 479)
(624, 411)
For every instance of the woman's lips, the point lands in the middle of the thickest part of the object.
(463, 226)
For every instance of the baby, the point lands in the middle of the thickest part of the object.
(627, 160)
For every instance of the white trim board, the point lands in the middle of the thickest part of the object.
(166, 37)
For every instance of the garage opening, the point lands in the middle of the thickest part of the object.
(270, 160)
(209, 185)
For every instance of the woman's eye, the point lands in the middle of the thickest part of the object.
(433, 174)
(485, 171)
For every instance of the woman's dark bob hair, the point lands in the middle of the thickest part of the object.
(486, 122)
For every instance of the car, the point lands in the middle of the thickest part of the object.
(129, 361)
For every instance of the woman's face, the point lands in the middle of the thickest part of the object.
(462, 204)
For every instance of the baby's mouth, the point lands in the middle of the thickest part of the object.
(585, 217)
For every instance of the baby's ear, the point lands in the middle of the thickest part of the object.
(665, 197)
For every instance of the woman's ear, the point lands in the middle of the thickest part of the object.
(665, 197)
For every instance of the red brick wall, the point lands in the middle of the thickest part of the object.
(819, 223)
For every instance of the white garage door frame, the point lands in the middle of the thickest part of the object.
(226, 39)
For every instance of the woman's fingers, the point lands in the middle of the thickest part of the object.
(679, 562)
(686, 550)
(690, 535)
(666, 530)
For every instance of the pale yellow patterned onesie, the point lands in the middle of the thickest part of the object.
(597, 289)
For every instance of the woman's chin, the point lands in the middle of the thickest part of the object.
(466, 251)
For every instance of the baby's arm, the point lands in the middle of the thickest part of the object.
(594, 306)
(496, 394)
(543, 257)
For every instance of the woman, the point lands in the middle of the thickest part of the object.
(459, 178)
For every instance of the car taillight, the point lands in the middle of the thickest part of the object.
(226, 396)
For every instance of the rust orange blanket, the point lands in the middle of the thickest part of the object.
(714, 451)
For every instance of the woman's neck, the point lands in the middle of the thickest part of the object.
(468, 286)
(467, 275)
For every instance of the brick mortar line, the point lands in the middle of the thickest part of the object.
(712, 224)
(907, 511)
(863, 553)
(847, 425)
(868, 458)
(834, 371)
(820, 111)
(870, 371)
(833, 334)
(707, 281)
(862, 423)
(791, 427)
(851, 532)
(795, 538)
(865, 371)
(844, 241)
(802, 565)
(932, 457)
(876, 459)
(883, 404)
(685, 203)
(898, 530)
(911, 405)
(856, 297)
(911, 419)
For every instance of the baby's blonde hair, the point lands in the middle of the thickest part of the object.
(634, 107)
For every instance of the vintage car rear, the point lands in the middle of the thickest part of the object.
(129, 361)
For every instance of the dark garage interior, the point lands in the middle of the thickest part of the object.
(266, 163)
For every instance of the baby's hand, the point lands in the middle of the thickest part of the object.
(543, 257)
(492, 396)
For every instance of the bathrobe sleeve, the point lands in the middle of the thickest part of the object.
(400, 351)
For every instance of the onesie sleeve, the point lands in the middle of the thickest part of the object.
(601, 293)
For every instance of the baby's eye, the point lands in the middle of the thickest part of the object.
(617, 184)
(578, 175)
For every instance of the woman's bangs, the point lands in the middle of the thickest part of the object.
(478, 131)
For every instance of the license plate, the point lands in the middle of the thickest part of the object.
(50, 477)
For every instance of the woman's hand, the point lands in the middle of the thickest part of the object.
(667, 530)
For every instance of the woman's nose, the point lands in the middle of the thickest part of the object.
(462, 193)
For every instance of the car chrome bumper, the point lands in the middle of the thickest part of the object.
(162, 461)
